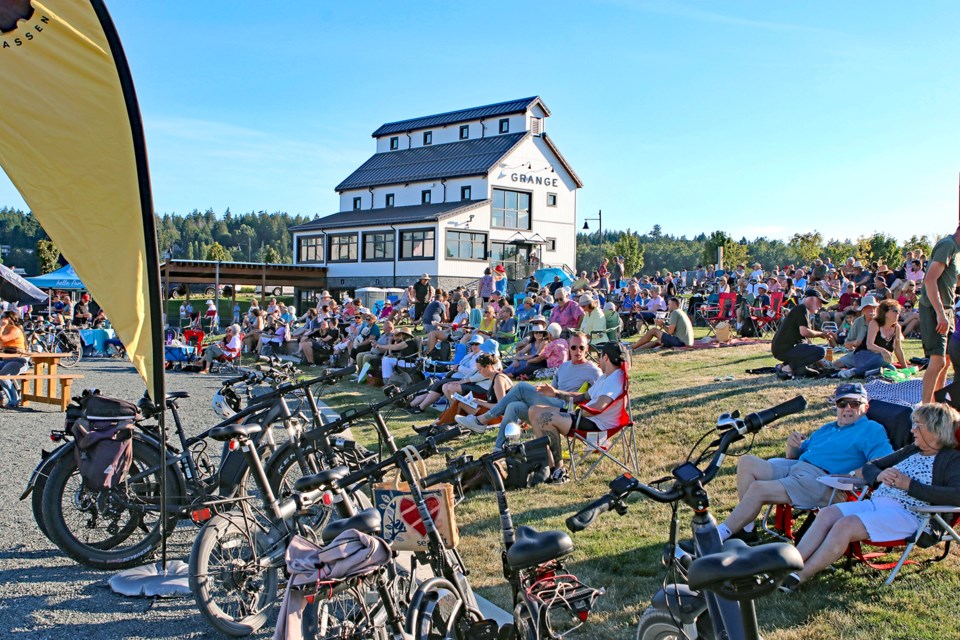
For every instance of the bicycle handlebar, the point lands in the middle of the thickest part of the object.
(626, 484)
(455, 470)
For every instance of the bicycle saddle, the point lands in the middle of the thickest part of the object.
(367, 521)
(739, 572)
(309, 483)
(231, 431)
(533, 547)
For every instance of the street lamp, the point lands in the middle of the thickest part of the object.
(599, 219)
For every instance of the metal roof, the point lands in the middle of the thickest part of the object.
(451, 160)
(390, 215)
(463, 115)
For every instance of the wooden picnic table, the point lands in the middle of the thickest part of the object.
(45, 384)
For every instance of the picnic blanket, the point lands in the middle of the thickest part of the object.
(734, 342)
(907, 393)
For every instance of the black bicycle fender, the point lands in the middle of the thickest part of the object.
(682, 602)
(47, 460)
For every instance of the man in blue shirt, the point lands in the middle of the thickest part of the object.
(842, 446)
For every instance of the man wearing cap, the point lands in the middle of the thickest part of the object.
(81, 313)
(936, 311)
(566, 312)
(423, 294)
(676, 331)
(790, 344)
(838, 447)
(398, 352)
(860, 277)
(571, 376)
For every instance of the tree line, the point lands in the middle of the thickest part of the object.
(656, 251)
(257, 236)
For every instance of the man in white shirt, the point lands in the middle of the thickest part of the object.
(601, 411)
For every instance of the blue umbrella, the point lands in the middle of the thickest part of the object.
(545, 276)
(15, 289)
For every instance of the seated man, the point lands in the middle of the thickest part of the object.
(790, 344)
(676, 331)
(842, 446)
(570, 377)
(229, 347)
(598, 413)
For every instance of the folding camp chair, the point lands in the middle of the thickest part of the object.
(582, 444)
(227, 363)
(725, 311)
(768, 319)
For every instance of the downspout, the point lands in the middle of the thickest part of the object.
(443, 181)
(370, 189)
(409, 141)
(483, 128)
(394, 229)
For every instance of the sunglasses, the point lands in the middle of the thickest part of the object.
(846, 403)
(576, 347)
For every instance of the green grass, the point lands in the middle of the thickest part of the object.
(674, 399)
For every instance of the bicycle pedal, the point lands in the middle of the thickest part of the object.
(483, 630)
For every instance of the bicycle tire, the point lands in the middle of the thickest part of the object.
(657, 624)
(73, 352)
(64, 488)
(340, 616)
(438, 614)
(233, 593)
(36, 503)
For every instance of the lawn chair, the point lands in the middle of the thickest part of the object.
(582, 444)
(724, 311)
(768, 319)
(228, 363)
(194, 338)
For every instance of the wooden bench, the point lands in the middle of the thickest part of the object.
(34, 384)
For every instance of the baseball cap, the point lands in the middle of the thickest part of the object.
(813, 293)
(476, 340)
(586, 299)
(613, 350)
(853, 390)
(869, 301)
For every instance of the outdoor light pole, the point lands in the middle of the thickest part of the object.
(586, 227)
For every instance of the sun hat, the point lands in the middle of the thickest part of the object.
(857, 265)
(403, 331)
(499, 269)
(476, 340)
(586, 299)
(869, 301)
(763, 286)
(610, 306)
(490, 346)
(853, 390)
(425, 276)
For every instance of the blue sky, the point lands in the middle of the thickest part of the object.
(759, 118)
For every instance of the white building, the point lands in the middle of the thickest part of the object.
(448, 195)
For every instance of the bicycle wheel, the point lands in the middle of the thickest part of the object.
(343, 615)
(657, 624)
(111, 529)
(233, 591)
(438, 613)
(69, 344)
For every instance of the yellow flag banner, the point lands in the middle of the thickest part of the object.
(71, 140)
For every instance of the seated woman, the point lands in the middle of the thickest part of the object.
(487, 327)
(252, 337)
(506, 326)
(12, 340)
(555, 352)
(924, 473)
(883, 345)
(529, 358)
(525, 312)
(909, 302)
(229, 347)
(462, 370)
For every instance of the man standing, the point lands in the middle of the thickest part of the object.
(841, 446)
(936, 311)
(423, 294)
(790, 344)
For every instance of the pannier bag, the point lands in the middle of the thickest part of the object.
(534, 469)
(104, 438)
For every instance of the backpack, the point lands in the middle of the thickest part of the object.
(103, 430)
(533, 469)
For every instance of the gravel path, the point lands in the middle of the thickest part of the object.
(43, 594)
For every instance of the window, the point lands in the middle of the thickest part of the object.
(390, 199)
(506, 253)
(378, 246)
(465, 193)
(511, 209)
(310, 248)
(425, 196)
(466, 245)
(551, 244)
(551, 199)
(357, 203)
(504, 125)
(394, 143)
(343, 247)
(417, 244)
(464, 132)
(427, 137)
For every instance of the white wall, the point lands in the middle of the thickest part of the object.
(405, 196)
(451, 133)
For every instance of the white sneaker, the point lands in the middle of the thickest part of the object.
(471, 423)
(363, 372)
(846, 373)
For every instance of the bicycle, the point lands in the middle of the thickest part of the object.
(51, 338)
(549, 601)
(120, 527)
(736, 573)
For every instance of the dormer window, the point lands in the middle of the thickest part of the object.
(425, 196)
(390, 199)
(357, 203)
(465, 132)
(504, 125)
(465, 192)
(427, 138)
(394, 143)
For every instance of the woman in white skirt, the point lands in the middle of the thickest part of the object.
(924, 473)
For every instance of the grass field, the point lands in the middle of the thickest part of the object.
(675, 399)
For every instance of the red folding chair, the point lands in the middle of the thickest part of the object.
(768, 318)
(725, 311)
(582, 444)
